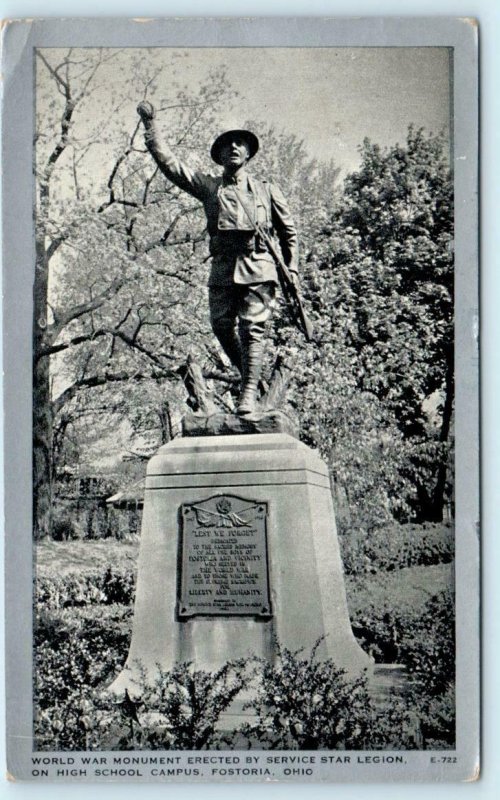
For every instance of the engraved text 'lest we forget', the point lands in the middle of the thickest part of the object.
(224, 558)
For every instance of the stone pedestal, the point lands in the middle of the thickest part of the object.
(257, 508)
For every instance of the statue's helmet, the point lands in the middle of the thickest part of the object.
(250, 139)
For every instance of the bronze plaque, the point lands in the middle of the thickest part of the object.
(224, 558)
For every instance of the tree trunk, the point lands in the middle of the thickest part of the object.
(42, 411)
(166, 426)
(440, 487)
(431, 500)
(42, 452)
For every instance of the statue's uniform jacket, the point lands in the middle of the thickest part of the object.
(238, 255)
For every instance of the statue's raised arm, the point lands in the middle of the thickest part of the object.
(195, 183)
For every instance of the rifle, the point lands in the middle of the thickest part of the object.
(291, 294)
(293, 300)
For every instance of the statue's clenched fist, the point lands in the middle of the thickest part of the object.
(146, 111)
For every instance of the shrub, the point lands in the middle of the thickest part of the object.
(182, 709)
(75, 651)
(427, 645)
(406, 618)
(63, 528)
(179, 712)
(308, 704)
(82, 638)
(105, 587)
(437, 719)
(397, 546)
(300, 703)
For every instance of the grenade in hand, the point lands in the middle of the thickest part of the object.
(146, 111)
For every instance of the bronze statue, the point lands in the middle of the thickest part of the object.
(243, 217)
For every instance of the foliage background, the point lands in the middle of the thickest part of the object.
(120, 299)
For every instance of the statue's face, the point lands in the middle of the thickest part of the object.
(234, 153)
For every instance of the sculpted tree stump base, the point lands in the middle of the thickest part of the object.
(221, 424)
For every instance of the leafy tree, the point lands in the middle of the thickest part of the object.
(404, 326)
(377, 391)
(117, 283)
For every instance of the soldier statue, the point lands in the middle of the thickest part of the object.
(243, 217)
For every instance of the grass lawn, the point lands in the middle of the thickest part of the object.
(412, 585)
(83, 557)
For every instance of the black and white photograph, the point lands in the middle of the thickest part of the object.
(251, 400)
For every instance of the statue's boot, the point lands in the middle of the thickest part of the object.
(253, 356)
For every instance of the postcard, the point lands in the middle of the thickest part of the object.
(241, 399)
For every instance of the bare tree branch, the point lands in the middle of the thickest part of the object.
(84, 308)
(101, 380)
(54, 72)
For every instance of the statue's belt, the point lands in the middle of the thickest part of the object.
(236, 243)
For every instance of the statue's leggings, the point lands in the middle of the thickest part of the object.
(246, 307)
